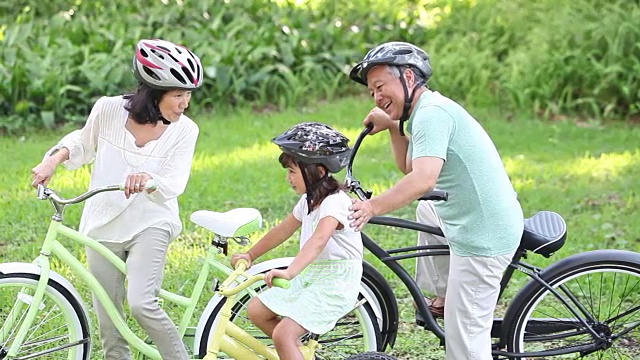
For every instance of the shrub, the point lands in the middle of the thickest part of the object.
(57, 57)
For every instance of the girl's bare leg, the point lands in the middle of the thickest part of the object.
(262, 316)
(286, 337)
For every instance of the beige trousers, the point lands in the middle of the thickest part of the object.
(145, 256)
(470, 286)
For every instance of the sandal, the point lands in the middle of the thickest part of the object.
(436, 311)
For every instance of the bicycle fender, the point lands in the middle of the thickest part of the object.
(259, 268)
(579, 259)
(33, 269)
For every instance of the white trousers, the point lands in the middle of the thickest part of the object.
(470, 286)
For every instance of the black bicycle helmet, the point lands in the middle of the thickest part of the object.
(315, 143)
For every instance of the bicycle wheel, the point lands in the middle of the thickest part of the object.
(60, 329)
(603, 287)
(356, 332)
(385, 300)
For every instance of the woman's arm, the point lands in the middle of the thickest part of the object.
(74, 150)
(43, 172)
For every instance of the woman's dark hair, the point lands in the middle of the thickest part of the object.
(143, 105)
(319, 186)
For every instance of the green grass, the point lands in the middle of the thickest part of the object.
(585, 171)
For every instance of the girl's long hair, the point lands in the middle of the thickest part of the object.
(143, 104)
(318, 186)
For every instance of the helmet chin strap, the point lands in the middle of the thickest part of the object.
(164, 121)
(407, 101)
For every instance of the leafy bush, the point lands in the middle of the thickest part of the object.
(57, 57)
(583, 59)
(551, 57)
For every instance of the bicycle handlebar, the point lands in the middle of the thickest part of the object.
(45, 193)
(240, 268)
(355, 187)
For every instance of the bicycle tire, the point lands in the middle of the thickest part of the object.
(606, 283)
(331, 342)
(60, 312)
(373, 282)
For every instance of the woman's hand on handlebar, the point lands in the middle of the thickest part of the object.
(43, 172)
(379, 119)
(136, 183)
(243, 256)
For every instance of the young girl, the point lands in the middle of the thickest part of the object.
(326, 272)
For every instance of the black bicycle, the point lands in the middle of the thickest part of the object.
(585, 305)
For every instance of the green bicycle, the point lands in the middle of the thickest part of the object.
(42, 315)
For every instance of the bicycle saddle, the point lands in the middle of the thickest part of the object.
(233, 223)
(544, 233)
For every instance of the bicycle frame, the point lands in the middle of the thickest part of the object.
(52, 247)
(391, 261)
(233, 340)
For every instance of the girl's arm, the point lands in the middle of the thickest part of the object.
(314, 246)
(275, 237)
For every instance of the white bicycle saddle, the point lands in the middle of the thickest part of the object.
(233, 223)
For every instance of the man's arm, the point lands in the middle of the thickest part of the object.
(419, 181)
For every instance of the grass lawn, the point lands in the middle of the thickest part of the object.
(587, 172)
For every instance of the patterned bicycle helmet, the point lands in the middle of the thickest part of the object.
(392, 53)
(164, 65)
(315, 143)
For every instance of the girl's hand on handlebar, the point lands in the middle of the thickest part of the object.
(268, 277)
(136, 183)
(379, 119)
(244, 256)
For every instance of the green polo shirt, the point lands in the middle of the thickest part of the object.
(482, 216)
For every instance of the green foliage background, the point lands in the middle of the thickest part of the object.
(549, 57)
(586, 172)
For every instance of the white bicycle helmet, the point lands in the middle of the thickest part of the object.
(164, 65)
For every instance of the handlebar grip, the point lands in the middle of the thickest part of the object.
(281, 283)
(150, 185)
(435, 195)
